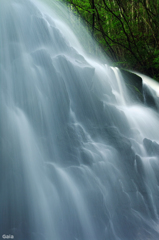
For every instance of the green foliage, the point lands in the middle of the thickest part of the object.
(128, 31)
(156, 59)
(156, 65)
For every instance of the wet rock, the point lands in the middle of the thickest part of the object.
(148, 97)
(152, 147)
(134, 84)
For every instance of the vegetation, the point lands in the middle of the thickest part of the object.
(128, 31)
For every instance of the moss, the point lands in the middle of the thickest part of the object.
(134, 84)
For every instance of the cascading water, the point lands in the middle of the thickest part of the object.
(75, 163)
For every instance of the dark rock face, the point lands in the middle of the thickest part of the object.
(149, 99)
(152, 147)
(139, 91)
(134, 84)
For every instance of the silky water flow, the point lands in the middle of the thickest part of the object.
(79, 160)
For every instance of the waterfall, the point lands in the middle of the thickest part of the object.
(78, 161)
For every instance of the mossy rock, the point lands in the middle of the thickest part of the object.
(149, 99)
(134, 85)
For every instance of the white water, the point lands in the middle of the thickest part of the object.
(76, 161)
(149, 81)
